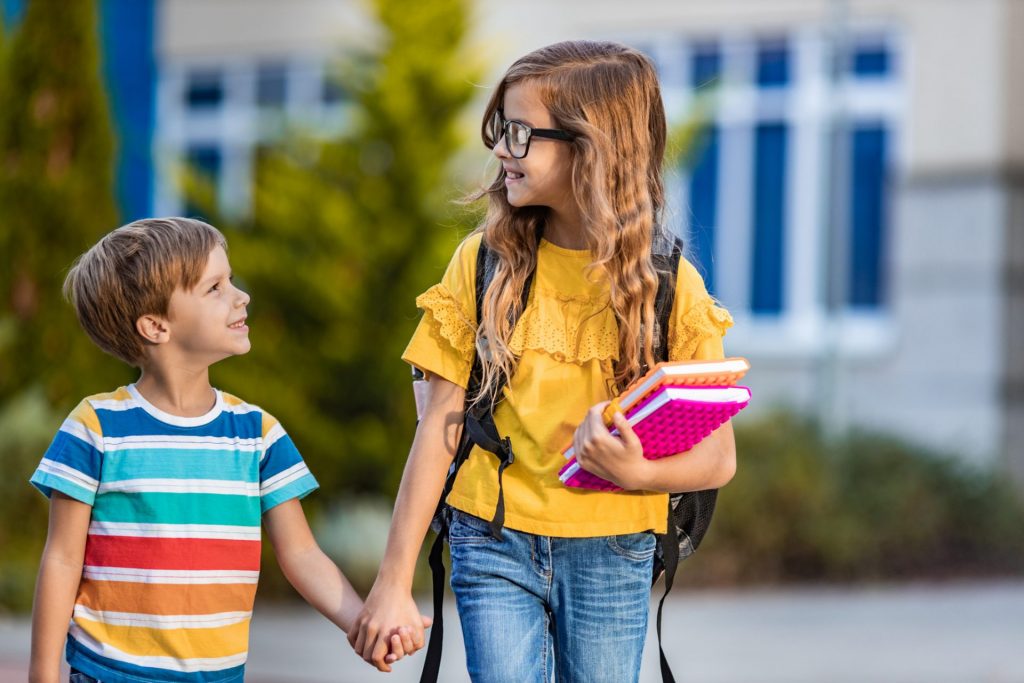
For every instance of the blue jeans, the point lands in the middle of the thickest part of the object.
(79, 677)
(536, 606)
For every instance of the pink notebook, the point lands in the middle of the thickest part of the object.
(671, 420)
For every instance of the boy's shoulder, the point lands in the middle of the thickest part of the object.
(85, 413)
(239, 406)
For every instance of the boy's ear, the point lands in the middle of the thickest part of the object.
(153, 329)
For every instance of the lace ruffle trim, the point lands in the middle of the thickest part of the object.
(448, 320)
(573, 329)
(705, 320)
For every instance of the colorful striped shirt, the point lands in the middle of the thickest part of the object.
(173, 551)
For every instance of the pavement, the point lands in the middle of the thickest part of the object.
(918, 633)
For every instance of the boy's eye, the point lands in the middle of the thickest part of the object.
(215, 288)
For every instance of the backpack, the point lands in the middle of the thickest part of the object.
(689, 513)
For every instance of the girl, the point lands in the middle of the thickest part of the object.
(579, 129)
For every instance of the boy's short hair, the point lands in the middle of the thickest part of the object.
(132, 272)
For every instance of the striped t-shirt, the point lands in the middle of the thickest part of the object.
(173, 552)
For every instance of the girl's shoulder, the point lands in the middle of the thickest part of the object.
(465, 255)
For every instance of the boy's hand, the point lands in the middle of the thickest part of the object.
(619, 459)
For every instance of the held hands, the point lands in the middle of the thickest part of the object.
(388, 628)
(619, 459)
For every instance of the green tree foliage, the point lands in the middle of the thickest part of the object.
(343, 235)
(56, 198)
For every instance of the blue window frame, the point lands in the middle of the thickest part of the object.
(704, 206)
(705, 65)
(768, 266)
(772, 64)
(868, 215)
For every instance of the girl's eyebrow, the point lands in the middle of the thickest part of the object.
(520, 120)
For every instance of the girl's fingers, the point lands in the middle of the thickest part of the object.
(360, 639)
(629, 438)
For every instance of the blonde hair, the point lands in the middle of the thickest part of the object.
(132, 272)
(607, 96)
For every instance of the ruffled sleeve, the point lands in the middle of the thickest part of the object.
(443, 343)
(698, 322)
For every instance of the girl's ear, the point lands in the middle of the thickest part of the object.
(153, 329)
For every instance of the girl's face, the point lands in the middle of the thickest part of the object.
(544, 176)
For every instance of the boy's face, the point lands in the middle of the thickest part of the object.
(207, 324)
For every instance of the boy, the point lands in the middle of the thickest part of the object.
(157, 489)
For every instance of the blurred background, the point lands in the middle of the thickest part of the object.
(848, 175)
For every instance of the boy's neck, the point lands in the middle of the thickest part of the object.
(183, 393)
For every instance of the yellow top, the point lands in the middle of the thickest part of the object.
(567, 343)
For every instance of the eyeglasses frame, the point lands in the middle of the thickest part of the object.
(547, 133)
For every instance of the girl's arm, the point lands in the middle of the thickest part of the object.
(60, 572)
(710, 464)
(314, 575)
(389, 604)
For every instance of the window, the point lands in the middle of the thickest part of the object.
(870, 61)
(757, 194)
(768, 229)
(272, 85)
(205, 89)
(772, 64)
(869, 150)
(706, 65)
(331, 90)
(704, 205)
(204, 161)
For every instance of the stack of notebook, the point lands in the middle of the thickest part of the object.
(671, 409)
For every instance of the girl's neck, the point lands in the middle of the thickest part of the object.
(181, 393)
(565, 229)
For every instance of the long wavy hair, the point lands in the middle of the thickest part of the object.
(607, 96)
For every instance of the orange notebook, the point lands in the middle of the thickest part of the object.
(688, 373)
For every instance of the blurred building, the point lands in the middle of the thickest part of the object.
(857, 199)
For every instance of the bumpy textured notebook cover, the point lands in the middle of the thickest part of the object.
(675, 426)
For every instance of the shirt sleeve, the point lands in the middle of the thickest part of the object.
(283, 473)
(444, 342)
(698, 322)
(74, 460)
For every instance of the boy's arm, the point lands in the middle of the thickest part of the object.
(60, 572)
(314, 575)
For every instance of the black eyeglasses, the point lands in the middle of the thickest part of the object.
(518, 135)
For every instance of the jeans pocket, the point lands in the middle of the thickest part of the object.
(639, 546)
(466, 528)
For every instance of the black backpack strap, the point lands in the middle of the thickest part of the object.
(667, 266)
(432, 661)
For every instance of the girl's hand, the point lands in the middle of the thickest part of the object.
(388, 628)
(619, 459)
